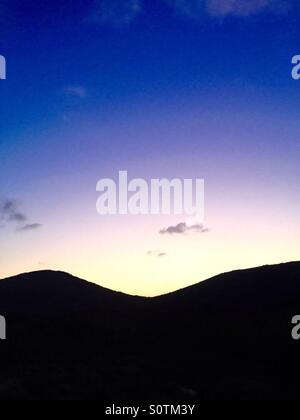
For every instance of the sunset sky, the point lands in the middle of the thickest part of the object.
(160, 88)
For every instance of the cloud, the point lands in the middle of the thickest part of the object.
(29, 227)
(76, 91)
(245, 8)
(116, 12)
(183, 228)
(157, 254)
(124, 12)
(9, 211)
(197, 8)
(188, 8)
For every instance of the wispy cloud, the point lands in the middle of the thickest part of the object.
(183, 228)
(115, 12)
(187, 8)
(123, 12)
(29, 227)
(76, 91)
(246, 7)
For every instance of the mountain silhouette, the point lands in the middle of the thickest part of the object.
(226, 338)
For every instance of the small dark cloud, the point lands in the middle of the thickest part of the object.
(29, 227)
(10, 212)
(183, 228)
(157, 254)
(17, 217)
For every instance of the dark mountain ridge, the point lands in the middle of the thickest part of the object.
(226, 338)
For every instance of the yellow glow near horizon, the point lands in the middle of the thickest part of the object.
(121, 261)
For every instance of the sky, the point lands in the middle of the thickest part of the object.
(160, 88)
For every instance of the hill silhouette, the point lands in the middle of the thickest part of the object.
(226, 338)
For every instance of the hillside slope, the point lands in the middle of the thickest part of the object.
(226, 338)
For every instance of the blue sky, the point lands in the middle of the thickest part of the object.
(162, 88)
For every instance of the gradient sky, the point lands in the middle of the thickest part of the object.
(160, 88)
